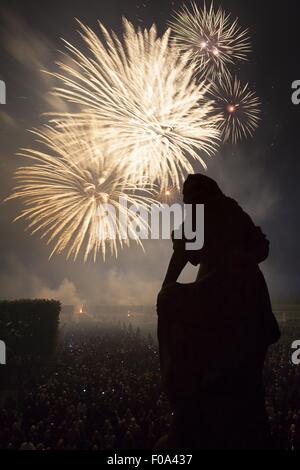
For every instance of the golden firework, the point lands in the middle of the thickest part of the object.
(213, 38)
(149, 109)
(239, 108)
(73, 191)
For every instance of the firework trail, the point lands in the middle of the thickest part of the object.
(239, 108)
(214, 39)
(67, 190)
(149, 109)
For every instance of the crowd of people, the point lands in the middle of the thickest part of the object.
(101, 391)
(282, 381)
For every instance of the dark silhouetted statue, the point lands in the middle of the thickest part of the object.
(214, 333)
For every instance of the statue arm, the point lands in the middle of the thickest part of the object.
(177, 264)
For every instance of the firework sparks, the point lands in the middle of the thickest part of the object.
(168, 195)
(149, 109)
(214, 39)
(239, 108)
(69, 190)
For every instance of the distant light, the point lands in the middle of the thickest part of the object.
(168, 193)
(216, 51)
(231, 108)
(203, 44)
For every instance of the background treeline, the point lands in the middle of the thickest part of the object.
(29, 326)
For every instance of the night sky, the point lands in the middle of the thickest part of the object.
(262, 173)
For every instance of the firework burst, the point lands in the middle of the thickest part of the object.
(72, 191)
(239, 108)
(214, 39)
(149, 109)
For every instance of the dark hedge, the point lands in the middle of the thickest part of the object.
(29, 326)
